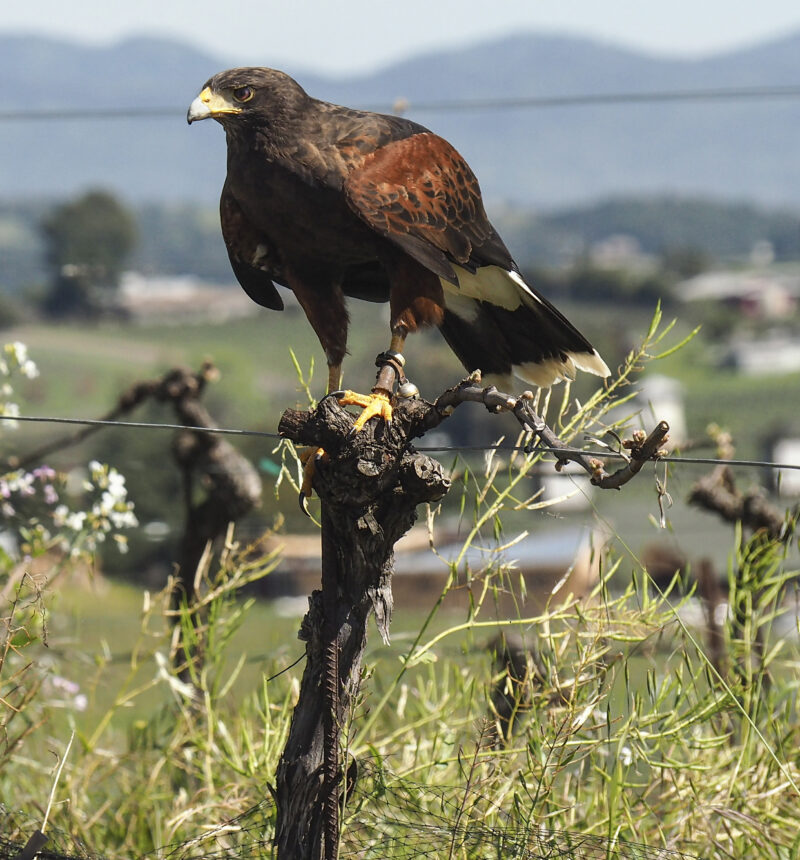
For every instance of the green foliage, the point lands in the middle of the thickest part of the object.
(94, 231)
(588, 283)
(626, 735)
(156, 779)
(11, 312)
(42, 527)
(181, 238)
(660, 224)
(21, 625)
(626, 731)
(88, 240)
(21, 247)
(685, 261)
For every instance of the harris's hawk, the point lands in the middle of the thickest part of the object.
(333, 202)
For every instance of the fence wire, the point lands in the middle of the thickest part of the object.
(776, 92)
(458, 449)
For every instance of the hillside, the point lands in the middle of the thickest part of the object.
(544, 157)
(723, 231)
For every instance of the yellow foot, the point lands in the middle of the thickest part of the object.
(309, 457)
(376, 404)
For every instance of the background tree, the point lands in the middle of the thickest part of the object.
(87, 241)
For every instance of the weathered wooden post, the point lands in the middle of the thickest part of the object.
(370, 485)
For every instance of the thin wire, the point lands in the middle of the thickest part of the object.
(719, 94)
(588, 99)
(710, 461)
(142, 425)
(83, 114)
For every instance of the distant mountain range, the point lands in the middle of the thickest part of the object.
(534, 158)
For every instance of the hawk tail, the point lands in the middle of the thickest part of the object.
(495, 322)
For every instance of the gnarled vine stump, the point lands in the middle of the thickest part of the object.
(370, 485)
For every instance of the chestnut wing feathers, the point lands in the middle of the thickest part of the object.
(421, 194)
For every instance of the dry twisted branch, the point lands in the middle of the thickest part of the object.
(640, 450)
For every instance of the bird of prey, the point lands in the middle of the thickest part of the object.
(333, 202)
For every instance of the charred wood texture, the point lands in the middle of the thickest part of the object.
(370, 485)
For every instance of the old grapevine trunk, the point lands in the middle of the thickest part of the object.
(370, 486)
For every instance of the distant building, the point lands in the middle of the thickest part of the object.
(776, 353)
(569, 489)
(786, 449)
(764, 294)
(620, 251)
(176, 300)
(660, 398)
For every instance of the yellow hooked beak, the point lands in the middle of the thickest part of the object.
(210, 104)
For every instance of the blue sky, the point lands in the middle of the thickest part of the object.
(341, 36)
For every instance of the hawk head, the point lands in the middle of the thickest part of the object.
(249, 95)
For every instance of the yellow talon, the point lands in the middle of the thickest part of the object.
(308, 457)
(376, 404)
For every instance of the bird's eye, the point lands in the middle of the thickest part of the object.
(243, 94)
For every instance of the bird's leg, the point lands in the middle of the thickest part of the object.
(378, 403)
(334, 377)
(391, 363)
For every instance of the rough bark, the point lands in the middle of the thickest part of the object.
(370, 485)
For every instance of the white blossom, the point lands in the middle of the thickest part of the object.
(17, 358)
(75, 520)
(10, 410)
(18, 351)
(29, 369)
(107, 509)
